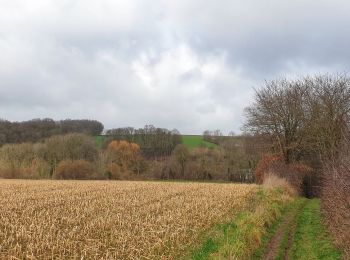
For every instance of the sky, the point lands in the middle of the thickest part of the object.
(186, 64)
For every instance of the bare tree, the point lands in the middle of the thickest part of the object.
(181, 156)
(279, 112)
(328, 106)
(303, 117)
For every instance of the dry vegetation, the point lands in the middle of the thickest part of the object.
(101, 219)
(336, 199)
(273, 181)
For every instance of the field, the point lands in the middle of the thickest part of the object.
(193, 141)
(99, 140)
(106, 219)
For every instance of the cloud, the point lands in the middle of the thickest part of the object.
(190, 65)
(192, 88)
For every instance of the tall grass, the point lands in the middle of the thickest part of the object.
(240, 237)
(274, 181)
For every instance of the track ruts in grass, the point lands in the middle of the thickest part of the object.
(282, 240)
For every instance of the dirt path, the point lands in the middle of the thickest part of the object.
(291, 235)
(288, 225)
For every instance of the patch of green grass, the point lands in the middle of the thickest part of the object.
(311, 240)
(209, 246)
(194, 141)
(240, 237)
(99, 139)
(191, 141)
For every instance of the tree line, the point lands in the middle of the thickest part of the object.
(304, 118)
(38, 129)
(305, 123)
(77, 156)
(70, 156)
(153, 141)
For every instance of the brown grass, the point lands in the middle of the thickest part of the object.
(274, 181)
(108, 219)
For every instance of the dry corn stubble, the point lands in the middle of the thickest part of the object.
(109, 220)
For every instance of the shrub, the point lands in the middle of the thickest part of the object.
(125, 154)
(115, 172)
(21, 161)
(180, 157)
(264, 166)
(157, 169)
(78, 169)
(68, 147)
(40, 168)
(9, 173)
(336, 199)
(294, 173)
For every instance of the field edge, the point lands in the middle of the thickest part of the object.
(243, 234)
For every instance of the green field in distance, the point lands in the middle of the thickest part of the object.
(194, 141)
(191, 141)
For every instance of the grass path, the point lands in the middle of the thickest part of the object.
(301, 235)
(282, 240)
(271, 228)
(312, 240)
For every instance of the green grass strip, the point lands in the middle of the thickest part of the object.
(311, 240)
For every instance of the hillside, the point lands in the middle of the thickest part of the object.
(194, 141)
(191, 141)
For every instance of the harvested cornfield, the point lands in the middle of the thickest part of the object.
(110, 220)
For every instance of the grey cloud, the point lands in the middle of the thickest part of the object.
(180, 64)
(263, 35)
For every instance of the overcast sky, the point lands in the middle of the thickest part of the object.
(185, 64)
